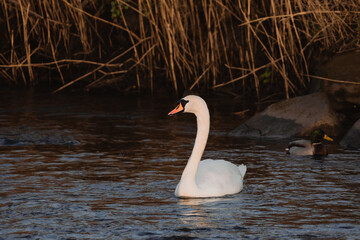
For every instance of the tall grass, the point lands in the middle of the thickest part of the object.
(242, 47)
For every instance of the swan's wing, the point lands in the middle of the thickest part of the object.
(242, 169)
(217, 167)
(220, 176)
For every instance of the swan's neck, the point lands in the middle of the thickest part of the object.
(188, 178)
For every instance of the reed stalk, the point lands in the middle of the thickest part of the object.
(246, 47)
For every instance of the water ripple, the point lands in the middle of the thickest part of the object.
(119, 182)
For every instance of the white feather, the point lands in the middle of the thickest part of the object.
(207, 178)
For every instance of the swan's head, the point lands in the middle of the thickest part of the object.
(189, 104)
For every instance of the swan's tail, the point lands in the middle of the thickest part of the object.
(242, 169)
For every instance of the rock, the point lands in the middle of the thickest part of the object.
(24, 136)
(10, 142)
(352, 138)
(294, 117)
(345, 67)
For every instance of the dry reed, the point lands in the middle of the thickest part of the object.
(244, 47)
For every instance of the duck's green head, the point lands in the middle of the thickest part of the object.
(318, 135)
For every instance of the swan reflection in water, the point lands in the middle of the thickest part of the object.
(205, 212)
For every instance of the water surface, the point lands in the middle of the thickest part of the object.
(118, 182)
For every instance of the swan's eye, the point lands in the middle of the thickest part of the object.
(183, 102)
(179, 108)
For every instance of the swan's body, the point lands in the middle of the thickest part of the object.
(207, 178)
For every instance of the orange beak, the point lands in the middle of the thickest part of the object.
(178, 108)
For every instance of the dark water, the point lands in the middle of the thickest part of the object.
(119, 182)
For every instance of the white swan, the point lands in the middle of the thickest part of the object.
(207, 178)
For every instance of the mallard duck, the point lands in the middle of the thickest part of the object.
(313, 147)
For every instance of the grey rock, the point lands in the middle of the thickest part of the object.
(294, 117)
(9, 142)
(29, 136)
(352, 138)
